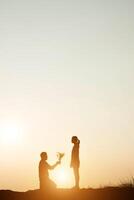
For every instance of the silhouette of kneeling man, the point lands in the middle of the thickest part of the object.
(75, 161)
(45, 182)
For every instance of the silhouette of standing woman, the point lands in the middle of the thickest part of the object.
(75, 161)
(45, 182)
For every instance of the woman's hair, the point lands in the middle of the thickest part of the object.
(74, 139)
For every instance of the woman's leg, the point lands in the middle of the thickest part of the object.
(77, 176)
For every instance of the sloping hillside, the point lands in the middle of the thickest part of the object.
(110, 193)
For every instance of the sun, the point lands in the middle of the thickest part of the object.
(61, 177)
(11, 134)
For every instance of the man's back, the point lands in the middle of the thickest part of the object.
(43, 169)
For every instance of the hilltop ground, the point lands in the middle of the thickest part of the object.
(109, 193)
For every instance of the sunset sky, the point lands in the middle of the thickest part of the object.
(66, 68)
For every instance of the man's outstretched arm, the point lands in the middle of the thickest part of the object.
(53, 166)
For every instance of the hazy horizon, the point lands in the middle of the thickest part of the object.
(66, 68)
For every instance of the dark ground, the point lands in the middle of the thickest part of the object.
(109, 193)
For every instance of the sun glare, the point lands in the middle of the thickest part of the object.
(62, 177)
(10, 134)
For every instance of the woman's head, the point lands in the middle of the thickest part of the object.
(74, 139)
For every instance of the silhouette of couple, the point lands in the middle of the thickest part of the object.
(44, 167)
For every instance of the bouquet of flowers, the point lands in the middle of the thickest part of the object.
(60, 156)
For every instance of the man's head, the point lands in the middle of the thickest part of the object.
(43, 156)
(74, 139)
